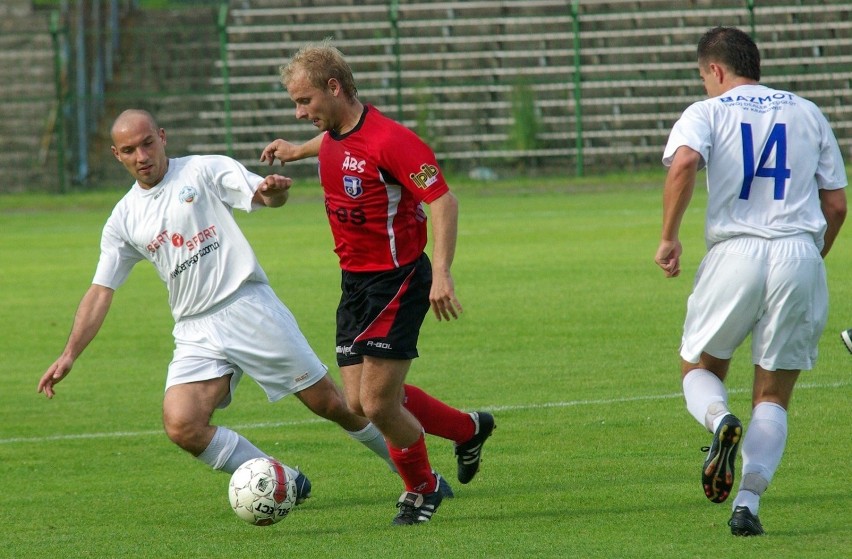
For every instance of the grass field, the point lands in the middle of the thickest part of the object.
(569, 337)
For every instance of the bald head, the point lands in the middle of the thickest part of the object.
(133, 119)
(140, 145)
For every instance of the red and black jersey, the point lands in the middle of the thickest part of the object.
(375, 178)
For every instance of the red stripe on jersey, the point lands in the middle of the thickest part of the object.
(381, 325)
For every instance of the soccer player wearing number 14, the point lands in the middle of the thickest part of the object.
(776, 201)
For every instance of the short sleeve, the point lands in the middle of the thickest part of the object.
(117, 256)
(693, 129)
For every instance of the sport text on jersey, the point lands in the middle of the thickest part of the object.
(204, 242)
(177, 240)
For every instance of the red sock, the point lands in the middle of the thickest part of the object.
(413, 466)
(436, 417)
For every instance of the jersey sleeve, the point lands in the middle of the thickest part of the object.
(413, 164)
(235, 185)
(831, 172)
(692, 130)
(117, 256)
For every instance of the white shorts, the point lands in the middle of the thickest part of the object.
(773, 289)
(251, 332)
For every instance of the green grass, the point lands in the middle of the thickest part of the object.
(569, 335)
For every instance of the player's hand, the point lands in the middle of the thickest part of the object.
(282, 150)
(55, 373)
(273, 191)
(442, 298)
(273, 184)
(668, 257)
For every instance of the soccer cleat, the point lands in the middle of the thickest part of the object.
(468, 454)
(417, 508)
(846, 336)
(444, 487)
(717, 475)
(744, 523)
(303, 488)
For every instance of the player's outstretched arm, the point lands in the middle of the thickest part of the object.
(286, 151)
(87, 322)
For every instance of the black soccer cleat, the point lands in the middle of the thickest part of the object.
(468, 454)
(744, 523)
(846, 336)
(417, 508)
(717, 475)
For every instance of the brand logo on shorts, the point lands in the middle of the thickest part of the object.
(352, 186)
(380, 345)
(187, 194)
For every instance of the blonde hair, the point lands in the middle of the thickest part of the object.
(320, 62)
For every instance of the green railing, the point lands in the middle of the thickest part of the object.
(79, 108)
(394, 25)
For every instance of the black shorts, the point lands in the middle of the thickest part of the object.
(380, 313)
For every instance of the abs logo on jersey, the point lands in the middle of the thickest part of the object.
(352, 186)
(187, 194)
(353, 163)
(426, 177)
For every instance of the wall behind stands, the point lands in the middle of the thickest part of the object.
(551, 86)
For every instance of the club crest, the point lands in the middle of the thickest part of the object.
(187, 194)
(352, 186)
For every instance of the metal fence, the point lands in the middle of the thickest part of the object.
(559, 86)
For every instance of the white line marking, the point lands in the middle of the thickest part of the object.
(516, 407)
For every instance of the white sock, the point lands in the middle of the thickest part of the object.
(762, 448)
(372, 438)
(228, 450)
(706, 398)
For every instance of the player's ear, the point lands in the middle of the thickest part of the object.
(115, 152)
(333, 86)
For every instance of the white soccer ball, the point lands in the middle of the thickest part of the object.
(261, 492)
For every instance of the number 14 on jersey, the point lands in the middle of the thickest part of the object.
(777, 141)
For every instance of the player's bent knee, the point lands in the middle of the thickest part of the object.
(380, 413)
(188, 434)
(354, 406)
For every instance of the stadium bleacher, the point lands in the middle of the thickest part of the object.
(461, 64)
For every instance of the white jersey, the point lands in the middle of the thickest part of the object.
(186, 228)
(767, 153)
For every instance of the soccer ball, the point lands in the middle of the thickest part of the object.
(261, 492)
